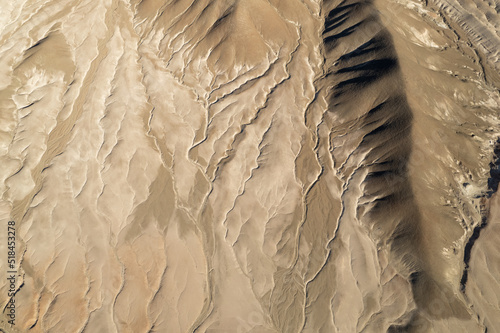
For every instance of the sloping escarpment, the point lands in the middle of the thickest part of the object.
(369, 122)
(369, 109)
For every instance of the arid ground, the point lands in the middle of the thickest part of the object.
(249, 166)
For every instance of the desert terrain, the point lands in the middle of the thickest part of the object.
(250, 166)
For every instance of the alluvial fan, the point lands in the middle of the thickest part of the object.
(250, 166)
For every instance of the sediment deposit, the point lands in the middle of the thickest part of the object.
(251, 165)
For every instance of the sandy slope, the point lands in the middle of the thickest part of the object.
(251, 165)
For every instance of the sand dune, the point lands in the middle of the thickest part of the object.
(250, 165)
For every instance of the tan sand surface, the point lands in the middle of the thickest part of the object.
(251, 165)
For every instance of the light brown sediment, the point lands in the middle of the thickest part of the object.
(251, 166)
